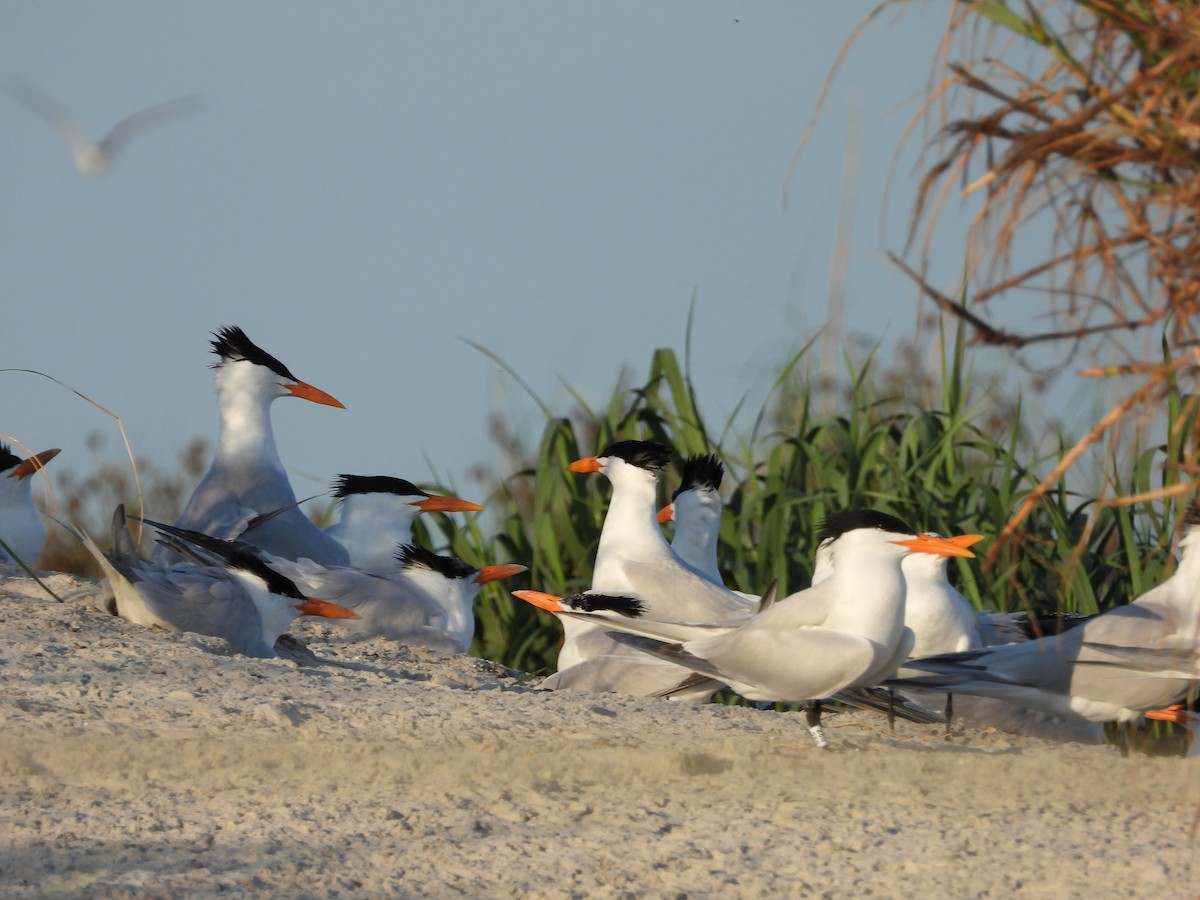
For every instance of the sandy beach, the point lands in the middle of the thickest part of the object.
(141, 763)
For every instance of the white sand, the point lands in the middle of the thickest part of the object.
(139, 763)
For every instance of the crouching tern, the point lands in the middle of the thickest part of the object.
(227, 590)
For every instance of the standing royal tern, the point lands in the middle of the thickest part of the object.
(234, 595)
(21, 527)
(376, 515)
(93, 157)
(1141, 662)
(1068, 674)
(247, 478)
(845, 632)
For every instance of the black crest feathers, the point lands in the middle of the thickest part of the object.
(8, 459)
(649, 455)
(413, 557)
(837, 524)
(232, 344)
(347, 485)
(700, 472)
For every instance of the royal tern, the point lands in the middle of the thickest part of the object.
(1142, 662)
(592, 661)
(846, 632)
(93, 157)
(696, 508)
(21, 527)
(234, 595)
(633, 558)
(944, 621)
(427, 599)
(1069, 674)
(246, 478)
(615, 673)
(376, 515)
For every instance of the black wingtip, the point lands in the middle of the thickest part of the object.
(629, 607)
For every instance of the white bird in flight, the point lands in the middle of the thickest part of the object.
(246, 478)
(21, 527)
(92, 157)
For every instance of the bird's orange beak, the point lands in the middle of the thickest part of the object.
(435, 503)
(541, 600)
(326, 610)
(666, 514)
(307, 392)
(965, 540)
(27, 467)
(495, 573)
(587, 464)
(940, 546)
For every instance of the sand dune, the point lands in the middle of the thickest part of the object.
(140, 763)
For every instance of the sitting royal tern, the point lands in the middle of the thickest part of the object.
(427, 599)
(944, 621)
(376, 515)
(234, 594)
(21, 527)
(848, 631)
(246, 477)
(696, 508)
(633, 558)
(592, 661)
(93, 157)
(1072, 674)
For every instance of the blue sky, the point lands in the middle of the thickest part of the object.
(367, 185)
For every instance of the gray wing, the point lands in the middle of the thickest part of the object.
(43, 105)
(131, 125)
(400, 611)
(206, 601)
(677, 594)
(629, 672)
